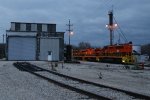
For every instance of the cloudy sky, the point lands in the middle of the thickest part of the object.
(88, 17)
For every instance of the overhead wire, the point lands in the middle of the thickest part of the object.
(121, 32)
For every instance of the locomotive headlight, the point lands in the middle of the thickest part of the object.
(123, 61)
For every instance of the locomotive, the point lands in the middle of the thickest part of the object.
(118, 53)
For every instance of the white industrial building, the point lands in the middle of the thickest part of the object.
(34, 41)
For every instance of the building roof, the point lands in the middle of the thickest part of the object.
(33, 23)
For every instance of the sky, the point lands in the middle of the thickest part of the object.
(89, 18)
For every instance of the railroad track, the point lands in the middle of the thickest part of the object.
(93, 90)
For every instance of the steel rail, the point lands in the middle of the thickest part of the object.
(136, 95)
(78, 90)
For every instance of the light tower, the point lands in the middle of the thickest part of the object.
(111, 26)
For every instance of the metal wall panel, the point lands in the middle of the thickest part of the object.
(49, 44)
(33, 27)
(12, 26)
(44, 27)
(22, 27)
(10, 33)
(21, 48)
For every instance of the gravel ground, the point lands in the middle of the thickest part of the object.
(112, 75)
(18, 85)
(106, 92)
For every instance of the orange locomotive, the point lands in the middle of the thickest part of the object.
(122, 53)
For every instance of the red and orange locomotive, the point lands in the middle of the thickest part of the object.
(122, 53)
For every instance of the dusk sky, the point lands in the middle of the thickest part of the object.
(89, 18)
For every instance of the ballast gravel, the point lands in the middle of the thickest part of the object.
(19, 85)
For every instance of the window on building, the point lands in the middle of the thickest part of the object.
(28, 27)
(39, 27)
(17, 26)
(51, 27)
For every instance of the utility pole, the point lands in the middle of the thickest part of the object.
(69, 47)
(69, 30)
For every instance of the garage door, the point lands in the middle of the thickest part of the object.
(49, 45)
(21, 48)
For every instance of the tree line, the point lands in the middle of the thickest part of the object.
(145, 49)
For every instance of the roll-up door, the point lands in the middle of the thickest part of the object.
(22, 48)
(49, 45)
